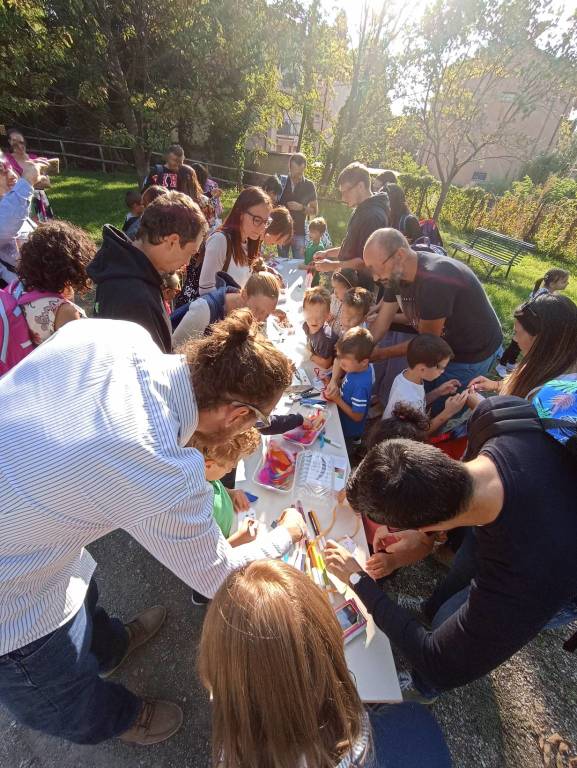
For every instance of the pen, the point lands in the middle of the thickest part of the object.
(317, 528)
(332, 442)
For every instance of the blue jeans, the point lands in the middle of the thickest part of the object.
(407, 735)
(298, 248)
(53, 684)
(464, 372)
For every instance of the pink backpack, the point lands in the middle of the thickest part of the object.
(15, 341)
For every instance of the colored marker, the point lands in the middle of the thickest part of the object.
(332, 442)
(317, 528)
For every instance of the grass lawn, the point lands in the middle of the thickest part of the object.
(91, 199)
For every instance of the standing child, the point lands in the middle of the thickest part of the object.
(317, 228)
(135, 207)
(320, 336)
(354, 350)
(341, 282)
(357, 303)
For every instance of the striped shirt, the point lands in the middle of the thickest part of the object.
(94, 429)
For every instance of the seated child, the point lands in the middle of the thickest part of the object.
(428, 356)
(320, 336)
(354, 350)
(357, 303)
(341, 282)
(170, 289)
(135, 207)
(317, 228)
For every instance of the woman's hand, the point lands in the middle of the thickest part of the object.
(483, 384)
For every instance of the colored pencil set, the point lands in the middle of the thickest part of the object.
(307, 556)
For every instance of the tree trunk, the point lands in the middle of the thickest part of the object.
(142, 163)
(445, 187)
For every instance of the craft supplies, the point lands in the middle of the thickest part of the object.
(311, 428)
(277, 469)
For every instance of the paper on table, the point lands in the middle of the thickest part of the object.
(325, 470)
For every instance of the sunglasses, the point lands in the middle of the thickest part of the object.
(527, 309)
(262, 421)
(258, 221)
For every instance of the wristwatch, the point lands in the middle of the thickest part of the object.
(355, 577)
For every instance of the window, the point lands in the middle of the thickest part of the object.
(479, 176)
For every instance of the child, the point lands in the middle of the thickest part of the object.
(135, 207)
(273, 187)
(354, 350)
(356, 305)
(149, 195)
(317, 228)
(341, 282)
(278, 232)
(428, 356)
(320, 336)
(552, 281)
(170, 289)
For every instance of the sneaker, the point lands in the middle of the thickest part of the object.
(501, 370)
(140, 630)
(410, 603)
(411, 692)
(157, 721)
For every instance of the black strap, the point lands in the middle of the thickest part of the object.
(570, 645)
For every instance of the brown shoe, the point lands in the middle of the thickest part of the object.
(140, 630)
(157, 721)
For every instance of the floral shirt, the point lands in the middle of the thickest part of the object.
(41, 314)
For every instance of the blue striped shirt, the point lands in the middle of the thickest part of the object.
(93, 438)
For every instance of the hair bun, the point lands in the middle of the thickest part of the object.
(237, 327)
(259, 265)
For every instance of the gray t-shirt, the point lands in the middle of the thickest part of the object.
(445, 287)
(323, 342)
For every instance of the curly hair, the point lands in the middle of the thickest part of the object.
(233, 450)
(55, 257)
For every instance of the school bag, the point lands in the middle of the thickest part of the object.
(430, 230)
(191, 289)
(15, 341)
(423, 244)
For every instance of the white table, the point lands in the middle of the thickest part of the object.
(369, 655)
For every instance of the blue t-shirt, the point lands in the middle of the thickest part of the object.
(356, 391)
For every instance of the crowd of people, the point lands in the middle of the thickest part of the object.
(164, 406)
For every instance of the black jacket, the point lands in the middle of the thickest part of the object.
(128, 287)
(370, 215)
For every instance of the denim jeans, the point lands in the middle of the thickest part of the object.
(53, 684)
(297, 245)
(464, 372)
(407, 735)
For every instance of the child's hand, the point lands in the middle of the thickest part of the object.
(473, 398)
(333, 395)
(239, 500)
(313, 422)
(381, 564)
(455, 403)
(448, 387)
(332, 388)
(244, 535)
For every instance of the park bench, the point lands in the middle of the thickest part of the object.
(493, 248)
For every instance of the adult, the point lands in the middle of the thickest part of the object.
(518, 496)
(272, 658)
(401, 217)
(437, 295)
(371, 212)
(17, 156)
(260, 295)
(166, 174)
(210, 188)
(109, 418)
(385, 177)
(128, 274)
(15, 222)
(187, 183)
(235, 245)
(299, 195)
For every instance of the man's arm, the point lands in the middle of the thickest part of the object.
(381, 324)
(398, 350)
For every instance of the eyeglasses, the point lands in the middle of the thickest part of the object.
(258, 221)
(262, 421)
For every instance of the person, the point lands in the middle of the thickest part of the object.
(273, 188)
(341, 282)
(380, 182)
(292, 702)
(109, 418)
(438, 295)
(260, 295)
(128, 274)
(317, 228)
(299, 195)
(278, 232)
(321, 339)
(170, 289)
(211, 190)
(41, 209)
(371, 212)
(354, 350)
(133, 200)
(552, 281)
(166, 174)
(149, 195)
(401, 217)
(187, 182)
(428, 356)
(518, 497)
(235, 246)
(546, 332)
(357, 303)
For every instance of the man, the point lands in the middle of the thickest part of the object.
(128, 275)
(166, 175)
(437, 295)
(371, 212)
(518, 497)
(299, 195)
(108, 420)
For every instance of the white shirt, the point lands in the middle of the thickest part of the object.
(214, 261)
(193, 324)
(93, 433)
(405, 391)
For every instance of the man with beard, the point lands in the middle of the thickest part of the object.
(437, 295)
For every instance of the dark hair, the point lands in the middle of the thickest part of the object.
(298, 158)
(172, 213)
(406, 484)
(398, 204)
(355, 173)
(236, 362)
(55, 256)
(550, 276)
(359, 298)
(201, 173)
(187, 182)
(428, 349)
(358, 342)
(317, 295)
(347, 277)
(552, 320)
(150, 194)
(318, 224)
(132, 197)
(405, 421)
(386, 177)
(249, 197)
(412, 228)
(11, 131)
(281, 222)
(272, 184)
(175, 149)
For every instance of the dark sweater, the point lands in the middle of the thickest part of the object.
(128, 287)
(370, 215)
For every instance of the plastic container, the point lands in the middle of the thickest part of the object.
(306, 438)
(265, 477)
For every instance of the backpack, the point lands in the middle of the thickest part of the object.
(15, 341)
(191, 289)
(423, 244)
(430, 230)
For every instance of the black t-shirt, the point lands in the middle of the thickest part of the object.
(162, 177)
(445, 287)
(304, 193)
(526, 568)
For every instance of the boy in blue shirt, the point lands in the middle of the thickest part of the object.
(354, 350)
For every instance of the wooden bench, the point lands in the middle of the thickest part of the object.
(493, 248)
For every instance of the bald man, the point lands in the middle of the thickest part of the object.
(437, 295)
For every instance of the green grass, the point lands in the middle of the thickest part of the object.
(91, 199)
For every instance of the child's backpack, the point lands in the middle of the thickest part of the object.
(191, 288)
(15, 341)
(430, 230)
(423, 244)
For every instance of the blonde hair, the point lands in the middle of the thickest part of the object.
(233, 450)
(271, 654)
(262, 283)
(318, 225)
(318, 295)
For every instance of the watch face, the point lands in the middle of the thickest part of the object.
(354, 578)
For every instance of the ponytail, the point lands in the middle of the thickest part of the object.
(550, 276)
(537, 285)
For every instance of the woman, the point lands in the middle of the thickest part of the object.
(209, 187)
(41, 210)
(272, 658)
(187, 182)
(401, 216)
